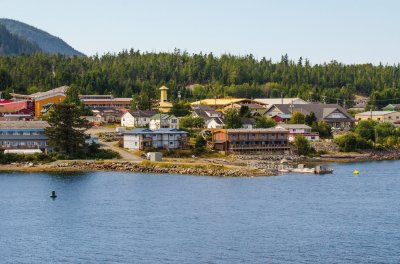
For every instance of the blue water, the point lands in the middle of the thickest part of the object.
(105, 217)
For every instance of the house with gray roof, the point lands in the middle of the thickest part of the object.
(333, 114)
(160, 120)
(23, 135)
(137, 118)
(163, 138)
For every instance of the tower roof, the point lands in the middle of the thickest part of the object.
(163, 87)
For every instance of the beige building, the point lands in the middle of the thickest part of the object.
(380, 116)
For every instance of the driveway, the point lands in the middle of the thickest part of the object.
(125, 155)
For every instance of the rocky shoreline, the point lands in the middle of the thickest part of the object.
(144, 167)
(236, 166)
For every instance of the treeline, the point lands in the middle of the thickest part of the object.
(133, 72)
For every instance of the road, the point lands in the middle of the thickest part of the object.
(125, 155)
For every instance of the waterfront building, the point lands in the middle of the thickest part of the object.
(23, 135)
(299, 130)
(160, 120)
(105, 101)
(137, 118)
(163, 138)
(333, 114)
(379, 116)
(263, 140)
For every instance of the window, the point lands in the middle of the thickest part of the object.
(173, 121)
(171, 143)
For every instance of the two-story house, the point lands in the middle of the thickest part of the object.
(299, 130)
(137, 118)
(160, 120)
(163, 138)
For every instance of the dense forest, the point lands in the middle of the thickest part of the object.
(198, 76)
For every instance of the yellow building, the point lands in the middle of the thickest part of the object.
(164, 106)
(44, 100)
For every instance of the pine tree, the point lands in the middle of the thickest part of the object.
(66, 131)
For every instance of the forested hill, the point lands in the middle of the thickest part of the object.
(46, 42)
(12, 45)
(201, 75)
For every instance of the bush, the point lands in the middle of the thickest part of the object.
(34, 158)
(352, 142)
(199, 146)
(303, 146)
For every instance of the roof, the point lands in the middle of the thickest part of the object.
(262, 130)
(163, 87)
(284, 116)
(23, 125)
(140, 113)
(142, 131)
(162, 116)
(219, 101)
(321, 111)
(289, 126)
(205, 111)
(271, 101)
(125, 100)
(369, 113)
(218, 120)
(248, 121)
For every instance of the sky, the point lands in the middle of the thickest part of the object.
(348, 31)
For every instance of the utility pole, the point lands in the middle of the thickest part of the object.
(324, 99)
(281, 97)
(344, 103)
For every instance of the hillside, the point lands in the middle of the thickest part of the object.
(12, 45)
(46, 42)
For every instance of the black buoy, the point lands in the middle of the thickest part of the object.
(53, 194)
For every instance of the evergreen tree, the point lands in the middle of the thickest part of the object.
(310, 119)
(66, 131)
(180, 109)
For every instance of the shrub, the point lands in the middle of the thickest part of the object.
(303, 146)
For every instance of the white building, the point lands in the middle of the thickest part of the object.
(137, 118)
(379, 116)
(299, 130)
(158, 121)
(272, 101)
(163, 138)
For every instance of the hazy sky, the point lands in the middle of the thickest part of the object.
(350, 31)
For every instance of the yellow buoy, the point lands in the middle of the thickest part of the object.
(355, 172)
